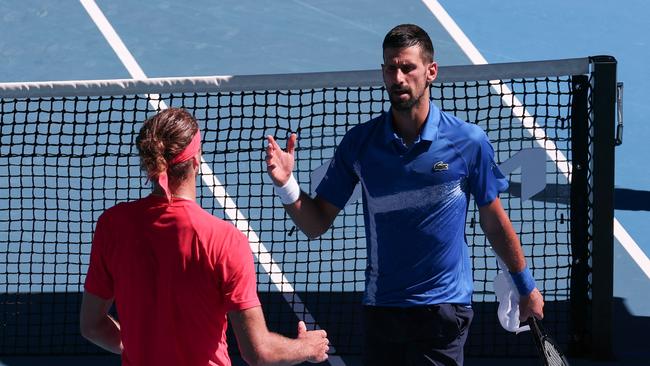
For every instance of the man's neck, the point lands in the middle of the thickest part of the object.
(185, 190)
(408, 123)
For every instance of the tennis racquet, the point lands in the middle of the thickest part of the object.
(549, 352)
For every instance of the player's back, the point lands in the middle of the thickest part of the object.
(167, 266)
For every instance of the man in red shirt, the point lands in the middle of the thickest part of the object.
(174, 271)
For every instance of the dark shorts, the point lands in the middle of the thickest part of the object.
(427, 335)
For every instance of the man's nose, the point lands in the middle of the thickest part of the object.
(399, 76)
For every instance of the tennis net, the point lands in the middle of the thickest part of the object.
(67, 153)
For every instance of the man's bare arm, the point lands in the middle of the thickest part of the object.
(259, 347)
(97, 326)
(497, 227)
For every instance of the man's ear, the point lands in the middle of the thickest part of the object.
(196, 162)
(432, 72)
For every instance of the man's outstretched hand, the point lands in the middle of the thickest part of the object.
(279, 163)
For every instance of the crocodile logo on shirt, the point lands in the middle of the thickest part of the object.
(440, 166)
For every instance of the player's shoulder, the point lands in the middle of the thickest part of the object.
(363, 133)
(217, 236)
(207, 222)
(205, 219)
(120, 210)
(459, 130)
(363, 129)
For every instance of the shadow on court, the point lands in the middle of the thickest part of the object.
(624, 198)
(630, 348)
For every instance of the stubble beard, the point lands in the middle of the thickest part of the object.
(405, 105)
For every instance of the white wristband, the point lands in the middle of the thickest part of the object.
(289, 192)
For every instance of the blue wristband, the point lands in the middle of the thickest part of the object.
(524, 281)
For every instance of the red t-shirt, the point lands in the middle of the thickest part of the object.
(174, 271)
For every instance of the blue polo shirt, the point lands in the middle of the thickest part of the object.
(415, 204)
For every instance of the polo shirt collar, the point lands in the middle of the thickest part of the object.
(429, 129)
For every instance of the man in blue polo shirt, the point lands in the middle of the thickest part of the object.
(417, 167)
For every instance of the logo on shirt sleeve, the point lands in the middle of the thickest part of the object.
(440, 166)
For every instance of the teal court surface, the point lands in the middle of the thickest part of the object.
(48, 40)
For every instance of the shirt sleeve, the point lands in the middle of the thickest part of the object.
(340, 179)
(99, 281)
(485, 178)
(238, 273)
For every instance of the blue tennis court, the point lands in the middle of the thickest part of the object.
(47, 40)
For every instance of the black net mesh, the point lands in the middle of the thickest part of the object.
(63, 161)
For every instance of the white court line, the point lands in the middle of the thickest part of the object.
(529, 123)
(631, 246)
(219, 192)
(113, 39)
(119, 48)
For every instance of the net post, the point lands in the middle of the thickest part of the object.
(603, 114)
(579, 299)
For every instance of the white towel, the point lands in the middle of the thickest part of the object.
(508, 298)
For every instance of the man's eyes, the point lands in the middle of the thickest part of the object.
(404, 68)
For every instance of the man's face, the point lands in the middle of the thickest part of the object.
(407, 76)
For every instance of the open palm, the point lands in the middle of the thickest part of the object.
(279, 163)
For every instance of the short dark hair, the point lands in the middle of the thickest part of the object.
(408, 35)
